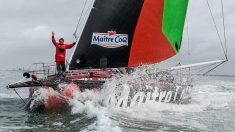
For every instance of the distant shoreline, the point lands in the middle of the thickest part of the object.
(221, 75)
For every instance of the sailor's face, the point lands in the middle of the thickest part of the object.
(61, 42)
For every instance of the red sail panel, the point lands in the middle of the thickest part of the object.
(149, 43)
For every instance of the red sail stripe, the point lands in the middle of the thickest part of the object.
(149, 44)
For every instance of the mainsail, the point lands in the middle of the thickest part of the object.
(130, 33)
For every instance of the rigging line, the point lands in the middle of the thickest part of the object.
(89, 7)
(221, 43)
(225, 38)
(188, 37)
(201, 68)
(187, 20)
(204, 68)
(213, 68)
(87, 12)
(179, 59)
(80, 18)
(19, 96)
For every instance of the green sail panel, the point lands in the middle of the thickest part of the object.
(173, 21)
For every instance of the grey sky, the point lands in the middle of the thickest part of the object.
(26, 25)
(204, 42)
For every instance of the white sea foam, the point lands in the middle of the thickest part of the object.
(57, 124)
(208, 93)
(210, 96)
(89, 103)
(42, 94)
(7, 128)
(205, 95)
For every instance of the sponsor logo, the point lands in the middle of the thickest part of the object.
(130, 98)
(110, 39)
(159, 87)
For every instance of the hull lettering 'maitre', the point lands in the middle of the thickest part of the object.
(128, 98)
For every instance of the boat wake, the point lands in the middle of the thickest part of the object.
(153, 115)
(208, 96)
(90, 104)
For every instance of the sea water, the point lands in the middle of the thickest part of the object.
(212, 108)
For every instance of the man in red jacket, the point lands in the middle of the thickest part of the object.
(60, 53)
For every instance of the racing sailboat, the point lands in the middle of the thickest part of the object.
(118, 37)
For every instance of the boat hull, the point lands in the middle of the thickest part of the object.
(156, 87)
(48, 99)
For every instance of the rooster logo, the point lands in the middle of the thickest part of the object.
(111, 33)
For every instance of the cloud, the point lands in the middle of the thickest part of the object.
(26, 25)
(37, 33)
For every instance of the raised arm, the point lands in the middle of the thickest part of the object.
(53, 38)
(69, 46)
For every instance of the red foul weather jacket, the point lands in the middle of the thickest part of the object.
(61, 51)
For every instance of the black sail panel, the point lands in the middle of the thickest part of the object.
(109, 19)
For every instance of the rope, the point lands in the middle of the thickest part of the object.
(213, 68)
(205, 68)
(85, 14)
(188, 37)
(19, 96)
(79, 20)
(87, 11)
(221, 43)
(225, 39)
(92, 1)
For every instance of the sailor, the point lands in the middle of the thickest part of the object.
(32, 89)
(60, 53)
